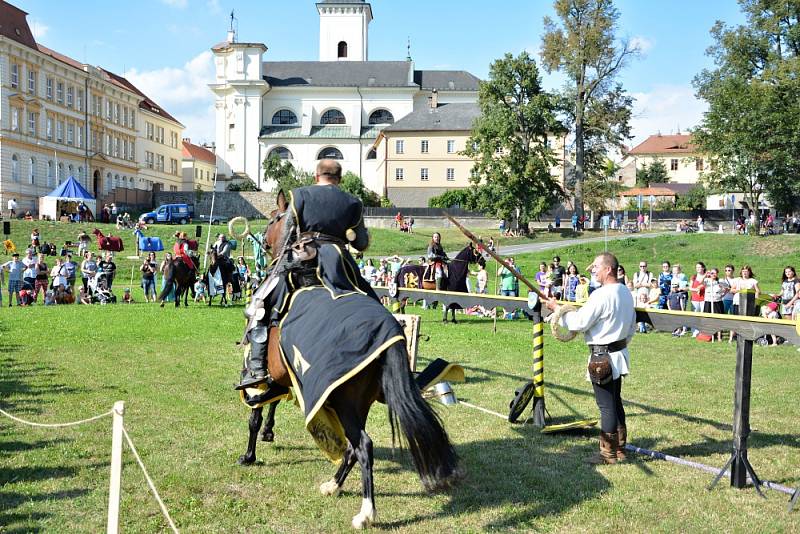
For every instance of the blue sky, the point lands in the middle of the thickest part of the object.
(163, 45)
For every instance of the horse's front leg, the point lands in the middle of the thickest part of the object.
(267, 434)
(256, 418)
(363, 453)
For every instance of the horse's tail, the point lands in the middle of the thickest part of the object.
(169, 279)
(433, 454)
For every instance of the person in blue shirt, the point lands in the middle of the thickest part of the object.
(574, 222)
(664, 283)
(15, 269)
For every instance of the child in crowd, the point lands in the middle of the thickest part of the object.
(199, 291)
(654, 294)
(126, 296)
(770, 311)
(49, 298)
(582, 291)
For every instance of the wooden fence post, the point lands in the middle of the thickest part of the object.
(116, 469)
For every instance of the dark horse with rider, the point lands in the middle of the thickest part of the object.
(317, 327)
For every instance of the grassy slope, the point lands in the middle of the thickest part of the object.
(174, 368)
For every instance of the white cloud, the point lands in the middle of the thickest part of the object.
(642, 43)
(183, 92)
(176, 3)
(38, 29)
(665, 109)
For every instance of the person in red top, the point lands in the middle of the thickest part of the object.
(697, 290)
(181, 249)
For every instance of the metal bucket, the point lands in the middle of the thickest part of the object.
(444, 392)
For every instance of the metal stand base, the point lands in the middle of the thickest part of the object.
(736, 462)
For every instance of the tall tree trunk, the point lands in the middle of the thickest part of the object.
(579, 153)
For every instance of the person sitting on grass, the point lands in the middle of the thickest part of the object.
(126, 296)
(199, 291)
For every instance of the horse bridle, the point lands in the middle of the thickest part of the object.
(274, 219)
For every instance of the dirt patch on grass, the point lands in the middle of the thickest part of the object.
(773, 247)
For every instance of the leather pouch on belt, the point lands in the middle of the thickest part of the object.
(599, 368)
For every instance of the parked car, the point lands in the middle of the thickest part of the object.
(216, 219)
(169, 213)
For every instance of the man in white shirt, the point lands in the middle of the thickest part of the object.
(608, 321)
(12, 208)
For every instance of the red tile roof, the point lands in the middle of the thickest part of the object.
(647, 191)
(665, 144)
(191, 151)
(14, 25)
(59, 57)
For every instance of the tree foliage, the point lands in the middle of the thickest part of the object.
(454, 198)
(583, 46)
(693, 199)
(353, 184)
(600, 186)
(655, 173)
(510, 143)
(751, 132)
(246, 185)
(285, 175)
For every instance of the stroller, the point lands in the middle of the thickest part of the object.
(98, 289)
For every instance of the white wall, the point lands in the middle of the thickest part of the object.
(343, 24)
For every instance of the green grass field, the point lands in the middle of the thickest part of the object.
(175, 368)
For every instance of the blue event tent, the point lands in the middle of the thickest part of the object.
(68, 191)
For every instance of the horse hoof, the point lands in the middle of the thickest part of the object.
(268, 436)
(246, 459)
(366, 516)
(330, 488)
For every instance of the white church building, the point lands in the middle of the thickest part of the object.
(332, 108)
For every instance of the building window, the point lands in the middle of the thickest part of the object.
(70, 96)
(173, 139)
(423, 175)
(14, 75)
(116, 147)
(332, 116)
(451, 174)
(160, 163)
(173, 166)
(673, 164)
(698, 165)
(50, 170)
(372, 154)
(70, 134)
(70, 171)
(79, 136)
(281, 152)
(31, 123)
(381, 116)
(60, 173)
(32, 81)
(15, 168)
(131, 147)
(124, 115)
(150, 129)
(108, 145)
(79, 100)
(451, 146)
(149, 159)
(160, 134)
(60, 131)
(60, 92)
(49, 88)
(133, 119)
(330, 153)
(49, 129)
(399, 146)
(284, 116)
(341, 50)
(116, 113)
(195, 174)
(108, 109)
(398, 174)
(14, 119)
(423, 147)
(32, 171)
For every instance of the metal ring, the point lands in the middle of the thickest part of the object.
(557, 333)
(237, 220)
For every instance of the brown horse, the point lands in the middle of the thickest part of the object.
(387, 379)
(108, 242)
(183, 278)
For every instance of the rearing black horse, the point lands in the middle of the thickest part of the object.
(456, 279)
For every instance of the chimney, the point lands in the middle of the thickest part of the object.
(434, 99)
(187, 140)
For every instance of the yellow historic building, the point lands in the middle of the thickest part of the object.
(677, 152)
(61, 118)
(199, 166)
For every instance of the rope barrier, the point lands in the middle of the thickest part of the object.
(150, 482)
(56, 425)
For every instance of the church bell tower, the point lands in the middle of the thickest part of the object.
(344, 30)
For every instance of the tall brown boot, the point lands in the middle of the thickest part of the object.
(608, 450)
(622, 433)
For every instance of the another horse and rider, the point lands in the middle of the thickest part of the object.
(315, 325)
(440, 272)
(221, 271)
(182, 272)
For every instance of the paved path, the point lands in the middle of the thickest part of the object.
(512, 250)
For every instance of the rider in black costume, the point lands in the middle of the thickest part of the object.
(322, 219)
(437, 260)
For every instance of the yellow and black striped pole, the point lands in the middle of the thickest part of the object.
(538, 369)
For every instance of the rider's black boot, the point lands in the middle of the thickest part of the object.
(255, 371)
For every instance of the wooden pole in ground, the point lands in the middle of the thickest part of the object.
(116, 468)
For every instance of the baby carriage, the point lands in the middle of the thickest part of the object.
(98, 289)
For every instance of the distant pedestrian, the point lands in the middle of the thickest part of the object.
(12, 213)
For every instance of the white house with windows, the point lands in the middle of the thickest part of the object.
(303, 111)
